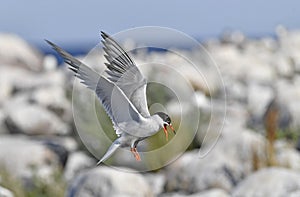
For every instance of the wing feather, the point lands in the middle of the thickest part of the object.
(114, 101)
(125, 74)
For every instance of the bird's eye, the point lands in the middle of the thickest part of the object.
(168, 121)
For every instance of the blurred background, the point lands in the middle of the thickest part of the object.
(255, 151)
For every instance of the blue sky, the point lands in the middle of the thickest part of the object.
(70, 21)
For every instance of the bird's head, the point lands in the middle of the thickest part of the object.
(166, 121)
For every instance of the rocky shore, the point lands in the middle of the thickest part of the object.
(41, 152)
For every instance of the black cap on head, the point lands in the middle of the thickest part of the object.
(164, 116)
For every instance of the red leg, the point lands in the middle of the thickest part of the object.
(135, 154)
(138, 158)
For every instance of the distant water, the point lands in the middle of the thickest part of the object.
(83, 49)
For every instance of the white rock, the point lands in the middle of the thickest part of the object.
(274, 182)
(9, 77)
(178, 108)
(235, 90)
(201, 100)
(295, 59)
(50, 62)
(289, 40)
(294, 108)
(204, 77)
(288, 157)
(175, 194)
(213, 193)
(5, 192)
(235, 37)
(269, 43)
(19, 156)
(54, 99)
(58, 149)
(15, 51)
(77, 162)
(219, 168)
(262, 72)
(212, 120)
(236, 114)
(6, 89)
(258, 99)
(208, 193)
(156, 181)
(294, 194)
(283, 65)
(105, 181)
(19, 100)
(13, 79)
(3, 128)
(35, 120)
(289, 94)
(248, 65)
(33, 81)
(68, 142)
(62, 146)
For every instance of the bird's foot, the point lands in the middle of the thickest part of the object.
(135, 154)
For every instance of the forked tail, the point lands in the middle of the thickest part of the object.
(115, 145)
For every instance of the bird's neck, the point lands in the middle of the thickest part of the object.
(154, 124)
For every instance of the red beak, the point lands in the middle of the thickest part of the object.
(166, 132)
(170, 125)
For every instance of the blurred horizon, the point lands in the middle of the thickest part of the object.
(69, 23)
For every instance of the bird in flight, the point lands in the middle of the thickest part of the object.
(122, 94)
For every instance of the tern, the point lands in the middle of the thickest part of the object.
(122, 94)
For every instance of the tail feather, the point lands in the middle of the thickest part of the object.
(115, 145)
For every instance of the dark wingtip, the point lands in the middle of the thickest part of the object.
(104, 35)
(54, 46)
(49, 42)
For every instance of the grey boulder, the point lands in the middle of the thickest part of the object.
(105, 181)
(16, 51)
(32, 119)
(5, 192)
(22, 158)
(208, 193)
(274, 182)
(77, 162)
(222, 165)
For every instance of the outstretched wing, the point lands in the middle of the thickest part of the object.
(125, 74)
(114, 101)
